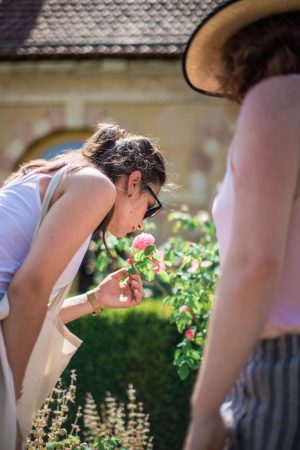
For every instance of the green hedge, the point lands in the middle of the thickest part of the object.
(135, 347)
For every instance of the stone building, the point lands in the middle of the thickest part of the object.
(67, 64)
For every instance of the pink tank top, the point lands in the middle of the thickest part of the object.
(285, 314)
(20, 206)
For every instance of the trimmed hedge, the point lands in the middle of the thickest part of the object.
(135, 346)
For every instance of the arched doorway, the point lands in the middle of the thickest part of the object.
(54, 143)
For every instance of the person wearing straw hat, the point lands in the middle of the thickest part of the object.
(247, 395)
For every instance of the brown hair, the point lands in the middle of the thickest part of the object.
(114, 152)
(268, 47)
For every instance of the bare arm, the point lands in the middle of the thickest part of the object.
(266, 166)
(61, 234)
(75, 307)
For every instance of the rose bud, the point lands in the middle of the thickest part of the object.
(189, 334)
(186, 309)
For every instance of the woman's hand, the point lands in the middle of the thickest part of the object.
(112, 292)
(206, 434)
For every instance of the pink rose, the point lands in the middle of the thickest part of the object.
(142, 241)
(130, 261)
(185, 308)
(189, 334)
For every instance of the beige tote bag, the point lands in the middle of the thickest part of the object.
(52, 351)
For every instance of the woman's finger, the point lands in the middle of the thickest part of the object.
(119, 274)
(138, 287)
(138, 296)
(135, 283)
(137, 278)
(138, 293)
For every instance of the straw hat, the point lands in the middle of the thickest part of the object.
(220, 20)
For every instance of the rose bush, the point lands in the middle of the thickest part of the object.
(192, 277)
(187, 270)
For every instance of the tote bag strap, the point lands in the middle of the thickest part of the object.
(61, 294)
(48, 196)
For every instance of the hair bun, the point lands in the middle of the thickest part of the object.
(107, 134)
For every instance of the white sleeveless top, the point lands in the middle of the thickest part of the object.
(20, 206)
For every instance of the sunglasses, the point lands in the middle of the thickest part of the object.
(154, 209)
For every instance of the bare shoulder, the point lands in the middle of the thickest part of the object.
(269, 117)
(87, 189)
(274, 99)
(90, 181)
(268, 131)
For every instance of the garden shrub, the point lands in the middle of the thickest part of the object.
(135, 346)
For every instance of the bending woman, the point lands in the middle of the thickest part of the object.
(249, 51)
(113, 182)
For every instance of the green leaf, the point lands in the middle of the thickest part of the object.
(149, 250)
(164, 276)
(181, 324)
(131, 270)
(183, 372)
(195, 355)
(150, 275)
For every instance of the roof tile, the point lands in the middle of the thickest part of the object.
(91, 28)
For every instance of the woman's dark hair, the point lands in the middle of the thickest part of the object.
(114, 152)
(268, 47)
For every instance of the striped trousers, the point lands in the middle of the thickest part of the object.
(263, 410)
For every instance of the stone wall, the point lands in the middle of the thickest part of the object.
(47, 102)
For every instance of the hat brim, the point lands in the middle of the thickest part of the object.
(201, 59)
